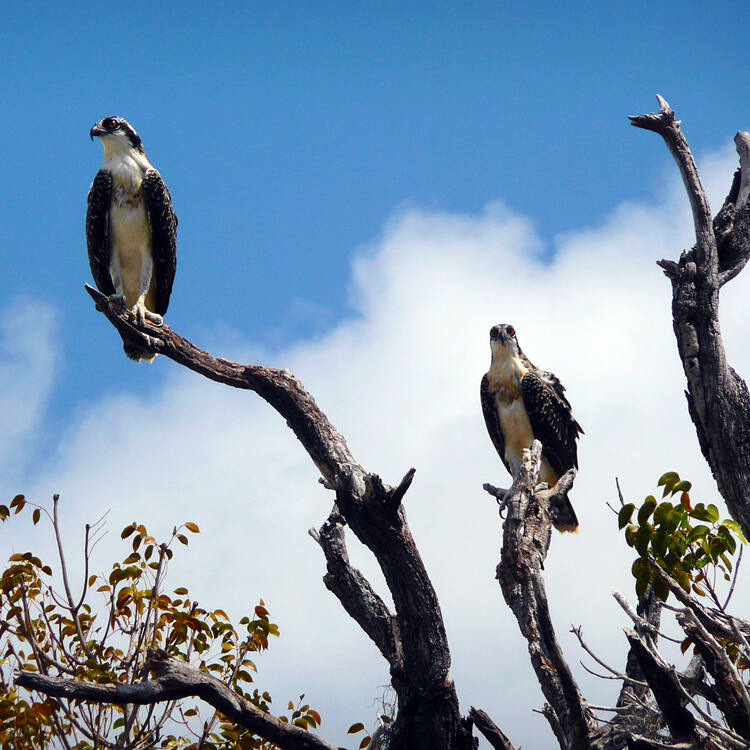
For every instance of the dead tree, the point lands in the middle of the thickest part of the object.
(658, 706)
(718, 398)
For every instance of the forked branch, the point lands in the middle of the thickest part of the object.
(718, 398)
(413, 639)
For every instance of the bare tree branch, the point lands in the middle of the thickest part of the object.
(666, 689)
(355, 593)
(490, 730)
(665, 124)
(175, 679)
(416, 644)
(718, 399)
(526, 538)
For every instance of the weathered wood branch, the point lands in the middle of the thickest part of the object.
(174, 679)
(526, 539)
(414, 640)
(492, 733)
(355, 593)
(718, 398)
(668, 127)
(730, 693)
(666, 689)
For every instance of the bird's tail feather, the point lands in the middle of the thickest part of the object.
(563, 516)
(137, 353)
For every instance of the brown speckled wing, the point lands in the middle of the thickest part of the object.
(492, 420)
(552, 422)
(97, 231)
(163, 223)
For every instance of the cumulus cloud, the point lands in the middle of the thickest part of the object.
(28, 355)
(400, 379)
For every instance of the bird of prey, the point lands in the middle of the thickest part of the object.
(131, 228)
(522, 403)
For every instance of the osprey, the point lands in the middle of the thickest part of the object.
(520, 403)
(131, 229)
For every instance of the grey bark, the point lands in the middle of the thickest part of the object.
(718, 398)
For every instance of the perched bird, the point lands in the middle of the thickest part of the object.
(520, 403)
(131, 228)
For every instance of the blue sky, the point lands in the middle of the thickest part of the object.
(288, 132)
(353, 180)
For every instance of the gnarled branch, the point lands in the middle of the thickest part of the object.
(526, 539)
(413, 640)
(175, 679)
(718, 399)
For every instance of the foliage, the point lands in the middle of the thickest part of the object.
(45, 629)
(688, 542)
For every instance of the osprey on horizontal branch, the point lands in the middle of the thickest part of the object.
(522, 403)
(131, 228)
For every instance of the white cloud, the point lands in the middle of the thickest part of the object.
(400, 380)
(28, 355)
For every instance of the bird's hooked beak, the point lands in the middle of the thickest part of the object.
(96, 130)
(498, 334)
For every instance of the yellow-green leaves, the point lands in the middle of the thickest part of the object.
(104, 639)
(680, 538)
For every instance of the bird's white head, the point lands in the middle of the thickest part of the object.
(117, 136)
(503, 341)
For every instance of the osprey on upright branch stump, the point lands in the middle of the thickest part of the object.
(522, 403)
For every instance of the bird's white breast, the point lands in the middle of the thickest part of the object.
(130, 232)
(516, 427)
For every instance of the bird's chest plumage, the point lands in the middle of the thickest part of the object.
(129, 229)
(516, 427)
(504, 378)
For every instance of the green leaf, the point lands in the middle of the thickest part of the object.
(717, 546)
(700, 513)
(713, 513)
(697, 532)
(641, 584)
(735, 527)
(661, 589)
(625, 514)
(668, 479)
(645, 511)
(642, 539)
(639, 567)
(630, 533)
(659, 542)
(683, 486)
(662, 512)
(683, 579)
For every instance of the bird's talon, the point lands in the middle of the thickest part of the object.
(154, 318)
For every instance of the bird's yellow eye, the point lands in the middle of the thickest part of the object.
(510, 331)
(110, 123)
